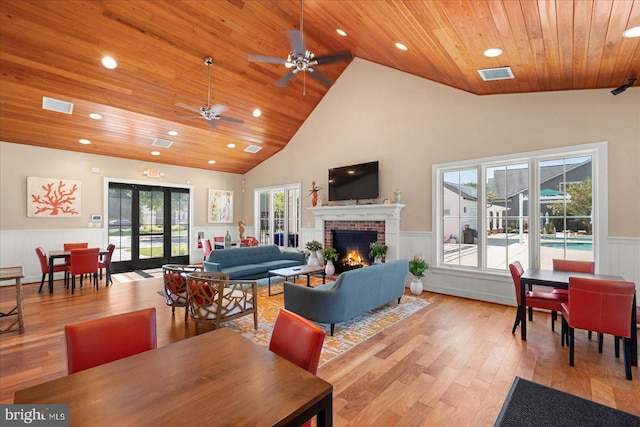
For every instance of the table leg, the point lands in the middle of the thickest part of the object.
(269, 283)
(19, 301)
(51, 275)
(523, 311)
(308, 281)
(634, 334)
(325, 415)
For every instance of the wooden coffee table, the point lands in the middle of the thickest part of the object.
(296, 271)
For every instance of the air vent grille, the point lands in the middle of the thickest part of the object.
(56, 105)
(501, 73)
(253, 149)
(164, 143)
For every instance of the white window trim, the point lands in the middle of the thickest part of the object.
(597, 150)
(256, 204)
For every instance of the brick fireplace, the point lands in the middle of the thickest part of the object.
(384, 219)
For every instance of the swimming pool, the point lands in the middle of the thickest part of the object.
(585, 246)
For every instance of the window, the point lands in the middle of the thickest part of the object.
(487, 227)
(278, 215)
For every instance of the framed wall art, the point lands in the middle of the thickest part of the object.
(220, 206)
(53, 197)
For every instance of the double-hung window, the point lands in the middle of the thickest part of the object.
(532, 208)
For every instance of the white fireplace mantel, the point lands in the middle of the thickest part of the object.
(389, 213)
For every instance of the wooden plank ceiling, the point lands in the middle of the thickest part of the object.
(54, 48)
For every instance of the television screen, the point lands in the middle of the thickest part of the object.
(355, 182)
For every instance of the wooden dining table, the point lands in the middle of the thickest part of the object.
(560, 279)
(53, 255)
(217, 378)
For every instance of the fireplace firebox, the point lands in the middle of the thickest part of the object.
(353, 248)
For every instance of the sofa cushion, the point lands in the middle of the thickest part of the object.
(279, 263)
(242, 271)
(243, 256)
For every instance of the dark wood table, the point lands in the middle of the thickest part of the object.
(53, 255)
(217, 378)
(560, 279)
(296, 271)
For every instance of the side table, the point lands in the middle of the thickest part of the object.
(14, 273)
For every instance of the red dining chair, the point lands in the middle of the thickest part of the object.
(603, 306)
(249, 241)
(298, 340)
(70, 246)
(206, 248)
(83, 261)
(44, 266)
(218, 242)
(104, 340)
(106, 264)
(544, 300)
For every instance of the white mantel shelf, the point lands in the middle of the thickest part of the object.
(381, 212)
(389, 213)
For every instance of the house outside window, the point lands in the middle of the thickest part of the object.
(486, 227)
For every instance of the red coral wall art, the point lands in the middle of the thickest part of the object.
(53, 197)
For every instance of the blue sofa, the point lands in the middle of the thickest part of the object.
(252, 262)
(353, 293)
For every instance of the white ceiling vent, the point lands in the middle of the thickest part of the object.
(57, 105)
(253, 149)
(501, 73)
(164, 143)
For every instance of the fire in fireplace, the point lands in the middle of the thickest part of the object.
(353, 248)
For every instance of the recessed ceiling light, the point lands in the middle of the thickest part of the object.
(172, 133)
(632, 32)
(257, 113)
(155, 153)
(493, 52)
(232, 145)
(341, 32)
(109, 62)
(401, 46)
(212, 162)
(84, 141)
(95, 116)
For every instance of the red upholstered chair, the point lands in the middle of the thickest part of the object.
(84, 261)
(249, 241)
(298, 340)
(175, 286)
(599, 305)
(106, 263)
(545, 300)
(206, 248)
(44, 266)
(218, 242)
(70, 246)
(104, 340)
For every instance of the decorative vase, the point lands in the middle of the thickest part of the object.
(320, 257)
(314, 199)
(416, 286)
(377, 260)
(329, 268)
(313, 259)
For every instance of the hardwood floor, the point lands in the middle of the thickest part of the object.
(451, 363)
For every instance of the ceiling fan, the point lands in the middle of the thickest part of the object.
(211, 112)
(300, 59)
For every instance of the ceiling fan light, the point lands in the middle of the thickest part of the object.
(631, 32)
(288, 64)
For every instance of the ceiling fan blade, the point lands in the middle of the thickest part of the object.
(326, 59)
(213, 123)
(296, 41)
(189, 117)
(188, 107)
(285, 79)
(230, 119)
(319, 76)
(269, 59)
(218, 109)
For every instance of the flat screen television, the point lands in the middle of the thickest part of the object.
(354, 182)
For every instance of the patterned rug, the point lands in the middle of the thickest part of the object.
(346, 335)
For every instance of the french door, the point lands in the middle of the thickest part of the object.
(278, 215)
(149, 225)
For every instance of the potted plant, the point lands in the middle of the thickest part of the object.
(313, 246)
(417, 267)
(330, 255)
(378, 251)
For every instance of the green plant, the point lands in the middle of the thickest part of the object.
(378, 250)
(417, 266)
(330, 254)
(313, 245)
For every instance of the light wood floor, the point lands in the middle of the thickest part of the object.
(452, 363)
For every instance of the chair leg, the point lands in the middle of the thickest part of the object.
(186, 313)
(589, 335)
(554, 316)
(530, 314)
(73, 284)
(617, 346)
(627, 358)
(95, 279)
(563, 334)
(571, 336)
(516, 322)
(600, 342)
(42, 283)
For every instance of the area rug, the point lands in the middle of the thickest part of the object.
(531, 404)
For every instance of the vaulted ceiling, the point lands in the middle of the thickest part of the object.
(54, 49)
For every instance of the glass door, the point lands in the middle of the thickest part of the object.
(278, 215)
(146, 237)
